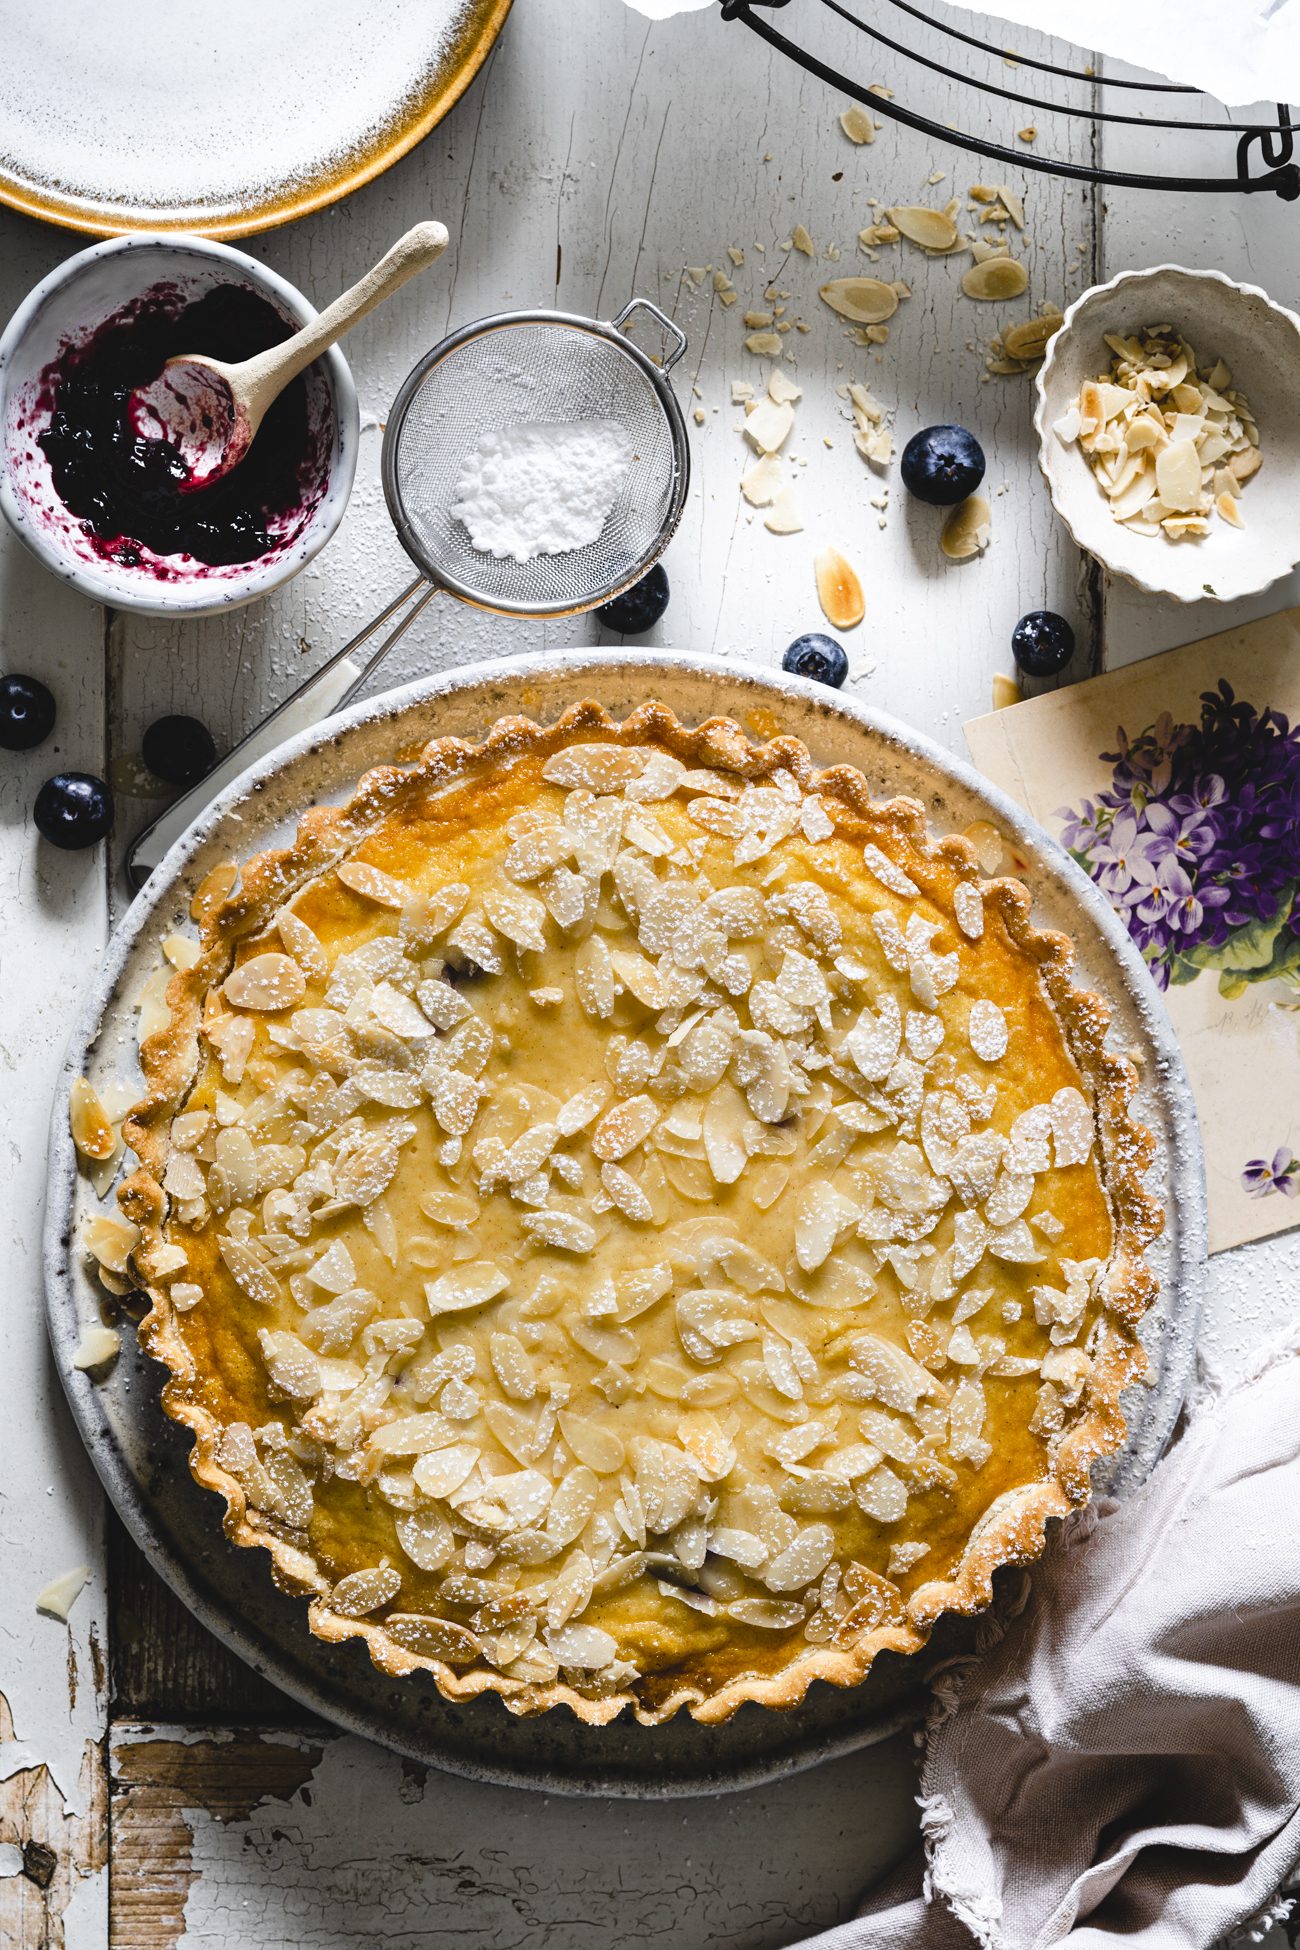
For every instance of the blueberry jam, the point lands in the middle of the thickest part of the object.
(129, 493)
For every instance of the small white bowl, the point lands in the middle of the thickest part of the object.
(1259, 341)
(65, 308)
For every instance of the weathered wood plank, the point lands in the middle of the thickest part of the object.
(268, 1838)
(52, 1693)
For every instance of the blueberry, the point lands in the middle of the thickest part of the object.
(1042, 643)
(942, 465)
(818, 657)
(73, 809)
(179, 750)
(26, 712)
(639, 608)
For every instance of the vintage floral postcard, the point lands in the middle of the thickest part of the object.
(1175, 783)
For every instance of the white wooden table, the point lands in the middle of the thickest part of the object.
(150, 1789)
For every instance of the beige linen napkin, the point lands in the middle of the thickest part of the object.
(1121, 1763)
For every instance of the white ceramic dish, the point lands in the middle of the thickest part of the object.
(177, 115)
(141, 1456)
(67, 306)
(1260, 343)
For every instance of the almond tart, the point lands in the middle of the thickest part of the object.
(633, 1221)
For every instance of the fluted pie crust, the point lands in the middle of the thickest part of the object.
(914, 1180)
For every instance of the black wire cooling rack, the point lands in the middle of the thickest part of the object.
(1050, 94)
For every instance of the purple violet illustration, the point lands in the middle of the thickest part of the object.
(1196, 844)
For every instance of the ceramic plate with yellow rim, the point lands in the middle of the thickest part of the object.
(221, 120)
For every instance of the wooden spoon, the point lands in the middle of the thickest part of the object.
(210, 411)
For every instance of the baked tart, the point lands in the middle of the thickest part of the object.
(632, 1221)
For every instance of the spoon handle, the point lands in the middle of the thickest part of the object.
(260, 379)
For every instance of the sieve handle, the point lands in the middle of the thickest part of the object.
(673, 332)
(334, 685)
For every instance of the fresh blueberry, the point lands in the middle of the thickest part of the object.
(942, 465)
(179, 750)
(73, 809)
(639, 608)
(26, 712)
(1042, 643)
(818, 657)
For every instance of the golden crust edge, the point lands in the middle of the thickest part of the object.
(1011, 1531)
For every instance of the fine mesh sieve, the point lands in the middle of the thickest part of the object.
(513, 368)
(535, 367)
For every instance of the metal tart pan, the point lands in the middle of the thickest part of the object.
(142, 1458)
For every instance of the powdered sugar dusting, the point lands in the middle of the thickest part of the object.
(541, 489)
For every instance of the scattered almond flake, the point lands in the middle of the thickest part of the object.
(781, 388)
(857, 125)
(987, 1030)
(933, 230)
(764, 345)
(373, 884)
(838, 589)
(996, 278)
(768, 426)
(1028, 341)
(757, 319)
(736, 255)
(784, 517)
(1005, 691)
(92, 1132)
(1029, 133)
(741, 392)
(268, 982)
(695, 275)
(464, 1287)
(801, 241)
(699, 416)
(966, 531)
(97, 1348)
(763, 482)
(62, 1593)
(865, 301)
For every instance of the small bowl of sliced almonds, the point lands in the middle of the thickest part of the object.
(1168, 422)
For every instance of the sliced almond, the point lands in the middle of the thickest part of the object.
(765, 345)
(867, 301)
(801, 241)
(838, 589)
(768, 426)
(782, 388)
(761, 483)
(966, 531)
(998, 278)
(931, 229)
(1028, 340)
(1230, 509)
(857, 124)
(1178, 476)
(92, 1132)
(784, 518)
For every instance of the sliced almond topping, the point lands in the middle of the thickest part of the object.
(373, 883)
(471, 1285)
(268, 982)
